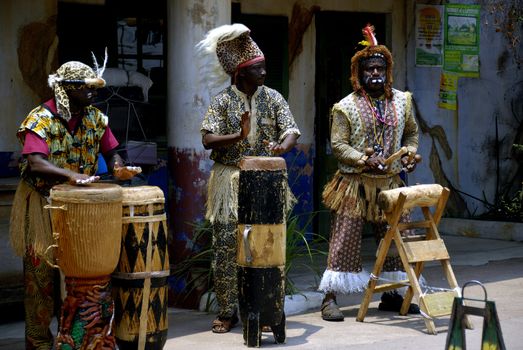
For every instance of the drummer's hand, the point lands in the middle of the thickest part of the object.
(376, 164)
(408, 164)
(126, 172)
(245, 125)
(81, 179)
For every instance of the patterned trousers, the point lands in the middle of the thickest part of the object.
(225, 267)
(345, 244)
(39, 302)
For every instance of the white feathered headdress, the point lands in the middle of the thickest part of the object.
(223, 50)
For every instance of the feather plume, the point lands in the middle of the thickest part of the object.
(211, 71)
(53, 79)
(99, 71)
(368, 34)
(95, 62)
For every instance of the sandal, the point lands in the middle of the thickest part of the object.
(330, 311)
(223, 324)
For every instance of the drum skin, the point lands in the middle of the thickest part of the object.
(140, 279)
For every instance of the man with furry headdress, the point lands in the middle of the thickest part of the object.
(61, 140)
(381, 118)
(245, 119)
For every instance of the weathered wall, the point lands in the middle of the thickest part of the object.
(28, 46)
(27, 49)
(188, 98)
(459, 147)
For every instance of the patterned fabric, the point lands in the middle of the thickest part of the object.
(86, 320)
(70, 71)
(353, 129)
(232, 53)
(225, 267)
(77, 152)
(38, 302)
(268, 108)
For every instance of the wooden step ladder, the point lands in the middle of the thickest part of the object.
(414, 250)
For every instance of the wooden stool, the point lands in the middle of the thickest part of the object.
(414, 250)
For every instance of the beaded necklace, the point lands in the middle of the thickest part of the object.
(380, 126)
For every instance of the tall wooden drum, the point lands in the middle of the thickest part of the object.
(140, 280)
(261, 246)
(86, 223)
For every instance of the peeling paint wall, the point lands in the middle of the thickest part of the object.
(28, 48)
(468, 163)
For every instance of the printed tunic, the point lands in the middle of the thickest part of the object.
(271, 120)
(355, 128)
(77, 151)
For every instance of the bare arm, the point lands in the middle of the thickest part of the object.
(38, 163)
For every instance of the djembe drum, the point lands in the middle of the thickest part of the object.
(86, 222)
(261, 247)
(140, 280)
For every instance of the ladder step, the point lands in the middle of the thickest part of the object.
(389, 286)
(414, 238)
(415, 224)
(426, 250)
(438, 304)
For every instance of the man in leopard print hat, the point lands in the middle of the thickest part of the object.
(61, 140)
(245, 119)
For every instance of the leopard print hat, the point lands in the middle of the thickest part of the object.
(72, 75)
(225, 49)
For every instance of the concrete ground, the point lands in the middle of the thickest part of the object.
(497, 264)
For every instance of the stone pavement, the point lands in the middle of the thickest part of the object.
(497, 264)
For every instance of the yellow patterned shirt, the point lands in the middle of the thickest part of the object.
(77, 151)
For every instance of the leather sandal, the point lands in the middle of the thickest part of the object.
(224, 325)
(330, 311)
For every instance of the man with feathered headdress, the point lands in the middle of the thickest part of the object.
(368, 126)
(61, 140)
(245, 119)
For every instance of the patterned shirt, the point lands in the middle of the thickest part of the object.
(77, 151)
(355, 127)
(271, 120)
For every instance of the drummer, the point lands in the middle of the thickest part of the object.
(61, 139)
(245, 119)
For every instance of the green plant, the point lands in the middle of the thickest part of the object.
(301, 249)
(195, 270)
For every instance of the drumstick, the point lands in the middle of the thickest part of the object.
(396, 155)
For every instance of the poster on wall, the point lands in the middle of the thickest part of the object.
(429, 35)
(448, 91)
(461, 48)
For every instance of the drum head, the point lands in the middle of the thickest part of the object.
(142, 194)
(90, 193)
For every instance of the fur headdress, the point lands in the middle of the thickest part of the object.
(224, 50)
(73, 75)
(372, 50)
